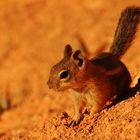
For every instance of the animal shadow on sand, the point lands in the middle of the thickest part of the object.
(129, 93)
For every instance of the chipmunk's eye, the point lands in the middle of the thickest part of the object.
(64, 74)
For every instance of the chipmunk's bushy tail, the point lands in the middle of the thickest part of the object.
(126, 30)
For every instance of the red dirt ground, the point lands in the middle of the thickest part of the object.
(32, 39)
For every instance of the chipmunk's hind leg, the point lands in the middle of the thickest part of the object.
(127, 94)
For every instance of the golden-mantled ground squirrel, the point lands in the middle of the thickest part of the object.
(96, 81)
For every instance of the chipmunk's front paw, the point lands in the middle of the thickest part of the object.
(77, 121)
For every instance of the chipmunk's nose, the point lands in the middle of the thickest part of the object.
(49, 83)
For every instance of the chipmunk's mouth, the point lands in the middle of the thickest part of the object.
(62, 89)
(56, 89)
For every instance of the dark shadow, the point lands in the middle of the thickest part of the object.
(127, 94)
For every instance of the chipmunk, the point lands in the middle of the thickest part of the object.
(96, 81)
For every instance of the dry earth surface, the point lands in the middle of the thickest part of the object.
(32, 39)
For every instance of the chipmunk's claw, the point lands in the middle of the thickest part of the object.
(76, 122)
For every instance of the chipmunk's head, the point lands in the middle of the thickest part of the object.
(69, 72)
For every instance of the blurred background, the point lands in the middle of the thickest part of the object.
(33, 34)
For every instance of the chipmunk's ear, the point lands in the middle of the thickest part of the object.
(78, 58)
(68, 51)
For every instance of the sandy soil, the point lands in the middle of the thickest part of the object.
(32, 39)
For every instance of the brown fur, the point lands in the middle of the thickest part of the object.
(95, 82)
